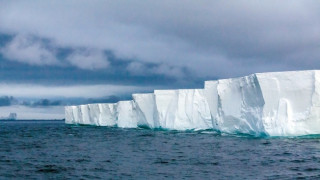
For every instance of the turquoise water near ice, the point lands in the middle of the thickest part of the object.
(54, 150)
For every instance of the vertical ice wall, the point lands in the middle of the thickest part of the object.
(183, 109)
(91, 114)
(166, 103)
(236, 105)
(291, 102)
(169, 109)
(126, 114)
(94, 113)
(69, 116)
(147, 114)
(276, 104)
(314, 127)
(108, 114)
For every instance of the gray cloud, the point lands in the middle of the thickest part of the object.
(138, 68)
(7, 101)
(29, 50)
(84, 91)
(211, 38)
(35, 51)
(44, 103)
(88, 59)
(150, 42)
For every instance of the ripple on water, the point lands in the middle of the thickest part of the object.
(48, 149)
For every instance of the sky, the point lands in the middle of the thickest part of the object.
(66, 52)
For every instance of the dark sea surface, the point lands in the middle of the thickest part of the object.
(53, 150)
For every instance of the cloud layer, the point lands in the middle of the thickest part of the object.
(29, 50)
(88, 59)
(35, 51)
(61, 49)
(209, 38)
(76, 91)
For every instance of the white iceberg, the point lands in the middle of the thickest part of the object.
(274, 104)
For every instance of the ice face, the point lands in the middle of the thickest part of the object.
(183, 109)
(94, 114)
(236, 105)
(169, 109)
(147, 114)
(291, 102)
(108, 115)
(126, 114)
(69, 116)
(275, 104)
(91, 114)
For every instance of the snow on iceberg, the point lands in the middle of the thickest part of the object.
(274, 104)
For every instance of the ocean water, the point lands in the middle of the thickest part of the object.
(54, 150)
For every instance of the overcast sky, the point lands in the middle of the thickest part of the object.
(97, 49)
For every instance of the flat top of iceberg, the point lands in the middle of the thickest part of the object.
(268, 74)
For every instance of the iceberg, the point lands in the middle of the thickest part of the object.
(182, 109)
(236, 105)
(272, 104)
(147, 114)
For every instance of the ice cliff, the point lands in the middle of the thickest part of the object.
(274, 104)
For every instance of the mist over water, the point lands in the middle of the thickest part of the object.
(54, 150)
